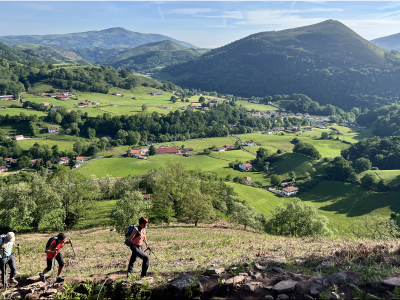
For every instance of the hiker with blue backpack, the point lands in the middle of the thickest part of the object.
(7, 242)
(53, 250)
(134, 239)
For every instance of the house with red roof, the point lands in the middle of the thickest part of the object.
(162, 151)
(289, 191)
(246, 167)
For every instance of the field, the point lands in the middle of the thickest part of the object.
(391, 177)
(62, 145)
(256, 106)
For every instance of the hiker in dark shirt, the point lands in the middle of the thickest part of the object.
(136, 242)
(7, 257)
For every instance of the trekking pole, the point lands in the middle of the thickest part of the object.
(75, 256)
(54, 265)
(19, 261)
(151, 250)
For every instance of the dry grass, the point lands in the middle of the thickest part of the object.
(182, 247)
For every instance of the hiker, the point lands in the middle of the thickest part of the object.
(54, 249)
(135, 242)
(7, 257)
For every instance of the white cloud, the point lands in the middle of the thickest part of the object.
(161, 13)
(192, 10)
(38, 6)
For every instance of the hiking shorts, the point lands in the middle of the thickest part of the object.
(59, 259)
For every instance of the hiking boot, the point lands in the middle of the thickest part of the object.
(13, 281)
(60, 279)
(42, 277)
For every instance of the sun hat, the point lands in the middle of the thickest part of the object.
(11, 236)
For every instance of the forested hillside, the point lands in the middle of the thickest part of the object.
(327, 62)
(385, 120)
(391, 42)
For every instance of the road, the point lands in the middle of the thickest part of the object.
(241, 145)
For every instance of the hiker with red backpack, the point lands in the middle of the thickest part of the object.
(7, 242)
(53, 250)
(134, 239)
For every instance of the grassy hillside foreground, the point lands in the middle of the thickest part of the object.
(181, 247)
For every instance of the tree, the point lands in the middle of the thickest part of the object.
(275, 179)
(292, 176)
(297, 219)
(152, 150)
(23, 162)
(132, 138)
(370, 181)
(91, 132)
(129, 210)
(144, 107)
(376, 228)
(173, 99)
(244, 214)
(324, 135)
(197, 207)
(237, 145)
(78, 148)
(362, 164)
(121, 134)
(202, 99)
(207, 151)
(58, 118)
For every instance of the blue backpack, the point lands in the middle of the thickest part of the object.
(50, 241)
(128, 234)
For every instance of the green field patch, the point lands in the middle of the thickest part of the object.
(297, 163)
(101, 215)
(233, 155)
(18, 111)
(62, 145)
(12, 129)
(392, 177)
(256, 106)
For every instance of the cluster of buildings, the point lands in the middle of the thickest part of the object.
(143, 153)
(225, 148)
(356, 125)
(87, 103)
(282, 114)
(117, 94)
(7, 97)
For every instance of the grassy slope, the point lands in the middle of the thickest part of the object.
(256, 106)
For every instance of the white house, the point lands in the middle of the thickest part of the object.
(19, 137)
(249, 143)
(220, 149)
(290, 191)
(267, 132)
(246, 167)
(117, 94)
(80, 159)
(3, 169)
(62, 160)
(166, 107)
(55, 108)
(148, 143)
(155, 93)
(51, 129)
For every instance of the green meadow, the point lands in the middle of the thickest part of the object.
(392, 177)
(62, 144)
(256, 106)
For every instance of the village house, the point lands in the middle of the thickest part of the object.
(155, 93)
(286, 183)
(80, 106)
(45, 103)
(19, 137)
(52, 129)
(213, 104)
(229, 95)
(292, 114)
(290, 191)
(307, 115)
(85, 103)
(249, 143)
(62, 160)
(7, 97)
(61, 97)
(221, 149)
(214, 101)
(148, 143)
(206, 108)
(55, 108)
(269, 131)
(10, 161)
(117, 94)
(278, 128)
(292, 127)
(230, 125)
(140, 156)
(95, 102)
(283, 109)
(229, 146)
(76, 166)
(320, 126)
(255, 101)
(299, 114)
(187, 150)
(248, 179)
(80, 159)
(166, 107)
(172, 150)
(134, 152)
(246, 167)
(146, 196)
(33, 161)
(283, 114)
(3, 169)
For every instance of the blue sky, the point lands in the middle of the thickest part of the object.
(202, 23)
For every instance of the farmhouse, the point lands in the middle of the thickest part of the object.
(229, 146)
(286, 183)
(146, 196)
(299, 114)
(247, 178)
(162, 151)
(80, 159)
(249, 143)
(148, 143)
(291, 127)
(135, 152)
(19, 137)
(206, 108)
(140, 156)
(51, 129)
(246, 167)
(76, 166)
(307, 115)
(166, 107)
(55, 108)
(214, 101)
(33, 161)
(95, 102)
(278, 128)
(267, 131)
(45, 103)
(3, 169)
(155, 93)
(61, 97)
(255, 101)
(221, 149)
(289, 191)
(117, 94)
(229, 95)
(7, 97)
(62, 160)
(10, 161)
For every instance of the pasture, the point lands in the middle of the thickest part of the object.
(256, 106)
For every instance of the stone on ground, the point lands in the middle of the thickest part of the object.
(216, 271)
(181, 283)
(277, 270)
(234, 280)
(269, 297)
(282, 297)
(285, 286)
(259, 267)
(252, 286)
(392, 281)
(275, 258)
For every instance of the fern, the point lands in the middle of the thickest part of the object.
(396, 293)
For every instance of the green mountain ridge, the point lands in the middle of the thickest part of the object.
(152, 55)
(107, 38)
(326, 61)
(391, 42)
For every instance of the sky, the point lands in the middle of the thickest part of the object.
(205, 24)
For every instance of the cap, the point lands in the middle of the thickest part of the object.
(11, 236)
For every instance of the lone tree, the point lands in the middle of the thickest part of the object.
(275, 179)
(152, 150)
(144, 107)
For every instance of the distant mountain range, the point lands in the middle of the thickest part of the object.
(327, 61)
(391, 42)
(107, 38)
(152, 55)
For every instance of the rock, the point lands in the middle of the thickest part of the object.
(216, 271)
(257, 276)
(336, 277)
(251, 286)
(316, 284)
(285, 286)
(268, 288)
(391, 281)
(15, 295)
(325, 282)
(296, 277)
(243, 274)
(246, 264)
(33, 279)
(215, 276)
(277, 270)
(250, 273)
(316, 279)
(269, 297)
(180, 284)
(234, 280)
(325, 265)
(275, 258)
(259, 267)
(282, 297)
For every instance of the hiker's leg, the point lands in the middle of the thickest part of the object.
(13, 266)
(60, 263)
(145, 266)
(133, 259)
(3, 271)
(49, 262)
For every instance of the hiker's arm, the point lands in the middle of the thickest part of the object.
(16, 246)
(132, 235)
(51, 249)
